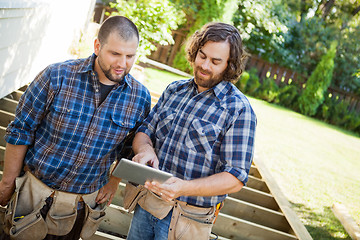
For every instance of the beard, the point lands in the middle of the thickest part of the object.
(208, 81)
(107, 72)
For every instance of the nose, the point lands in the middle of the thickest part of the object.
(121, 61)
(206, 64)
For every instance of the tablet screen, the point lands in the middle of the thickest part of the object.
(139, 173)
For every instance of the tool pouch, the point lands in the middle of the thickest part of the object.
(94, 215)
(155, 205)
(132, 195)
(23, 218)
(61, 217)
(188, 221)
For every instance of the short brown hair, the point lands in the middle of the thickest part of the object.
(123, 26)
(218, 32)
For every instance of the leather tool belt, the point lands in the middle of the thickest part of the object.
(187, 220)
(29, 215)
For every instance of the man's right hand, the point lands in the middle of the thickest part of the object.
(147, 158)
(6, 191)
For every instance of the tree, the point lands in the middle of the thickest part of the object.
(155, 20)
(197, 13)
(318, 83)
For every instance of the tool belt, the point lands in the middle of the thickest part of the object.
(30, 216)
(187, 220)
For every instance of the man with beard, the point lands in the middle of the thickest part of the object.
(201, 131)
(73, 121)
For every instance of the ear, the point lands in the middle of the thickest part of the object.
(97, 46)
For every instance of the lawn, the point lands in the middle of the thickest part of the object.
(315, 164)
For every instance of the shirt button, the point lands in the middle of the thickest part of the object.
(96, 90)
(68, 110)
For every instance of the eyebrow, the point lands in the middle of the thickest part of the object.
(213, 59)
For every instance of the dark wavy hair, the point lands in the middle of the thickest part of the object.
(218, 32)
(123, 26)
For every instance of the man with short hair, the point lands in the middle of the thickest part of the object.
(73, 121)
(202, 131)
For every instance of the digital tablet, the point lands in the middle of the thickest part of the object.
(139, 173)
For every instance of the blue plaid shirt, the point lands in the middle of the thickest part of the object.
(198, 135)
(72, 138)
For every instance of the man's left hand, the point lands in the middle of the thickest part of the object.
(169, 190)
(107, 192)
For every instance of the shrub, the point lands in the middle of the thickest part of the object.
(253, 82)
(316, 86)
(288, 95)
(241, 83)
(268, 90)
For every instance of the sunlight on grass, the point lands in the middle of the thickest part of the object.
(315, 164)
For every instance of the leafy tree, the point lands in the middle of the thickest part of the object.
(318, 83)
(197, 13)
(155, 20)
(262, 25)
(304, 31)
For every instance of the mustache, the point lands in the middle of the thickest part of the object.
(203, 70)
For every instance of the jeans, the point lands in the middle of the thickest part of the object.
(145, 226)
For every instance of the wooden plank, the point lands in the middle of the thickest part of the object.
(256, 214)
(256, 197)
(166, 67)
(254, 171)
(257, 184)
(23, 88)
(295, 223)
(104, 236)
(346, 220)
(15, 95)
(117, 220)
(8, 105)
(235, 228)
(2, 154)
(2, 134)
(6, 118)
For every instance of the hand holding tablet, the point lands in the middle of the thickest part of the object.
(139, 173)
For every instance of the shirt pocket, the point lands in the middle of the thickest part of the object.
(201, 136)
(120, 126)
(164, 125)
(61, 117)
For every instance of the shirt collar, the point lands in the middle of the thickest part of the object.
(88, 66)
(219, 90)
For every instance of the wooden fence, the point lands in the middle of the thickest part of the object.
(282, 74)
(166, 54)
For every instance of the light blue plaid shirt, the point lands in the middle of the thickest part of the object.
(72, 138)
(198, 135)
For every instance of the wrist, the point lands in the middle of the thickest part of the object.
(114, 179)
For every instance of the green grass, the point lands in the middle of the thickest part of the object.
(315, 164)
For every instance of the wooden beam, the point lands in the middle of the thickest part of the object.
(2, 134)
(235, 228)
(6, 118)
(15, 95)
(295, 223)
(8, 105)
(256, 214)
(257, 184)
(117, 220)
(254, 171)
(2, 153)
(346, 220)
(256, 197)
(104, 236)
